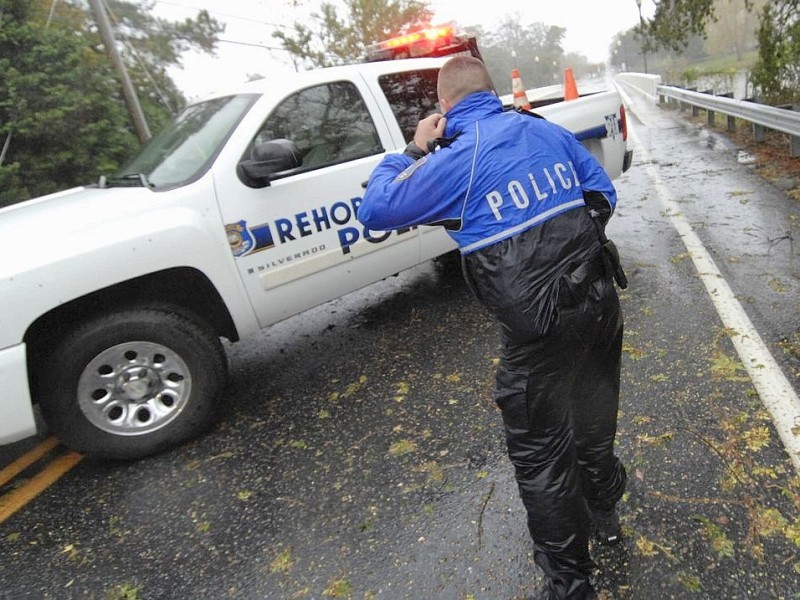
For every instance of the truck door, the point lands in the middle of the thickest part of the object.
(411, 96)
(296, 242)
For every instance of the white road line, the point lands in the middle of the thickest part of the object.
(773, 387)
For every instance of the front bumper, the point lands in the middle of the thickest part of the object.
(16, 409)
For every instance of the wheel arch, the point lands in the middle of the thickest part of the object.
(183, 287)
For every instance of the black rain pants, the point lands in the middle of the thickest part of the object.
(559, 395)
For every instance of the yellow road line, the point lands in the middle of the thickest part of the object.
(26, 460)
(12, 501)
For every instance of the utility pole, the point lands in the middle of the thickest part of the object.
(103, 24)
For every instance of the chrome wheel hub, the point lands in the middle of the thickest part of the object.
(134, 388)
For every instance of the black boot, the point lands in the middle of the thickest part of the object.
(605, 524)
(549, 591)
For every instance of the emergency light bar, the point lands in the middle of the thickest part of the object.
(434, 41)
(437, 33)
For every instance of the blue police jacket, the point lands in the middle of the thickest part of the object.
(511, 190)
(505, 173)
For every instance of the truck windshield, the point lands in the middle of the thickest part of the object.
(182, 151)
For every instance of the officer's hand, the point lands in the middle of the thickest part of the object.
(429, 128)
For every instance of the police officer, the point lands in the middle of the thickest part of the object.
(527, 205)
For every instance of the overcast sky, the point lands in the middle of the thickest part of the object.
(249, 47)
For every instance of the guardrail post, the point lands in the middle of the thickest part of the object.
(731, 120)
(687, 104)
(681, 104)
(794, 141)
(759, 131)
(696, 109)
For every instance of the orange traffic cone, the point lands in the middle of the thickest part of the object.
(520, 97)
(570, 89)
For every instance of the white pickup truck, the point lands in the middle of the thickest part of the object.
(115, 296)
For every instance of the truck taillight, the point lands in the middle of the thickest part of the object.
(623, 122)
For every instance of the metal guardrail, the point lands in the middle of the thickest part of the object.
(762, 116)
(771, 117)
(642, 82)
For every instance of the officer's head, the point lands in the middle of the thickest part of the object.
(461, 76)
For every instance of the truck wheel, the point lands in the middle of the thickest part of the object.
(129, 384)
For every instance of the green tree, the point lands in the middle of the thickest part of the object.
(333, 39)
(59, 121)
(735, 28)
(777, 72)
(627, 53)
(153, 44)
(676, 21)
(536, 50)
(63, 120)
(776, 75)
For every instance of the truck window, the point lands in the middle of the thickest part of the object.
(182, 151)
(412, 96)
(329, 124)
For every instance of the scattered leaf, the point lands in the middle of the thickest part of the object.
(765, 472)
(778, 286)
(402, 447)
(792, 533)
(338, 588)
(726, 368)
(633, 352)
(658, 440)
(124, 591)
(680, 258)
(720, 544)
(769, 521)
(283, 562)
(646, 547)
(756, 438)
(690, 582)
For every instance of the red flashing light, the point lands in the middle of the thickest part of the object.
(432, 34)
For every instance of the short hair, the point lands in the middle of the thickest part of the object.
(461, 76)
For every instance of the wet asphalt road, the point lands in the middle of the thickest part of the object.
(360, 455)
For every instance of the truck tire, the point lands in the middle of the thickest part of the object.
(132, 383)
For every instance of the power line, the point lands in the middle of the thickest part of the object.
(142, 64)
(249, 44)
(221, 14)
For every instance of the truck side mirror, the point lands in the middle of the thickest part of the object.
(267, 159)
